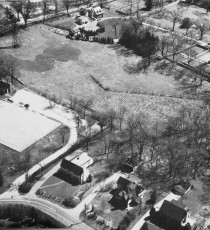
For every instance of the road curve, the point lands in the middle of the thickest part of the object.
(57, 214)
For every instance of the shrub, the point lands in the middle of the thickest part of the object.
(131, 214)
(25, 187)
(70, 202)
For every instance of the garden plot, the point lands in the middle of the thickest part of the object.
(20, 128)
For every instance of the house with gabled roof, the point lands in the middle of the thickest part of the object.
(127, 191)
(76, 168)
(175, 211)
(149, 226)
(172, 215)
(182, 187)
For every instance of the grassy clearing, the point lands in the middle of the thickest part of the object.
(60, 188)
(193, 200)
(35, 153)
(68, 23)
(106, 63)
(106, 211)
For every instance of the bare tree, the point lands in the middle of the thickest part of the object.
(176, 44)
(66, 4)
(121, 115)
(163, 45)
(176, 16)
(191, 54)
(13, 20)
(56, 6)
(9, 67)
(114, 23)
(111, 115)
(26, 10)
(102, 119)
(86, 105)
(44, 7)
(202, 26)
(17, 6)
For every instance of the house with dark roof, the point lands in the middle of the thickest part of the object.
(149, 226)
(76, 168)
(182, 187)
(172, 215)
(127, 191)
(175, 211)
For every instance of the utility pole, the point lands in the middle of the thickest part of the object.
(85, 212)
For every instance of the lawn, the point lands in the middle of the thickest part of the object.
(60, 188)
(67, 23)
(51, 63)
(194, 199)
(106, 210)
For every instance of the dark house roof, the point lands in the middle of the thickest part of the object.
(71, 167)
(184, 184)
(131, 189)
(172, 210)
(149, 226)
(122, 182)
(126, 168)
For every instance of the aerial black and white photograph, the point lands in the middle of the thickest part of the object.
(105, 114)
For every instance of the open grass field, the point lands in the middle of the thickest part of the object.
(52, 63)
(68, 23)
(194, 199)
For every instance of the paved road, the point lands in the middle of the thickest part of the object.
(48, 208)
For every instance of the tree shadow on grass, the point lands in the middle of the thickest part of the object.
(101, 176)
(117, 204)
(6, 47)
(121, 50)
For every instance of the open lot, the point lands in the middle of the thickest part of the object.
(52, 63)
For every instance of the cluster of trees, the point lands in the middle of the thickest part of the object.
(142, 41)
(9, 68)
(180, 149)
(149, 4)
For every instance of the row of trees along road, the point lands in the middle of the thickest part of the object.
(26, 8)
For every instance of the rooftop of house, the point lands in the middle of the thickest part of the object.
(149, 226)
(179, 204)
(97, 10)
(82, 160)
(125, 184)
(71, 167)
(184, 184)
(173, 210)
